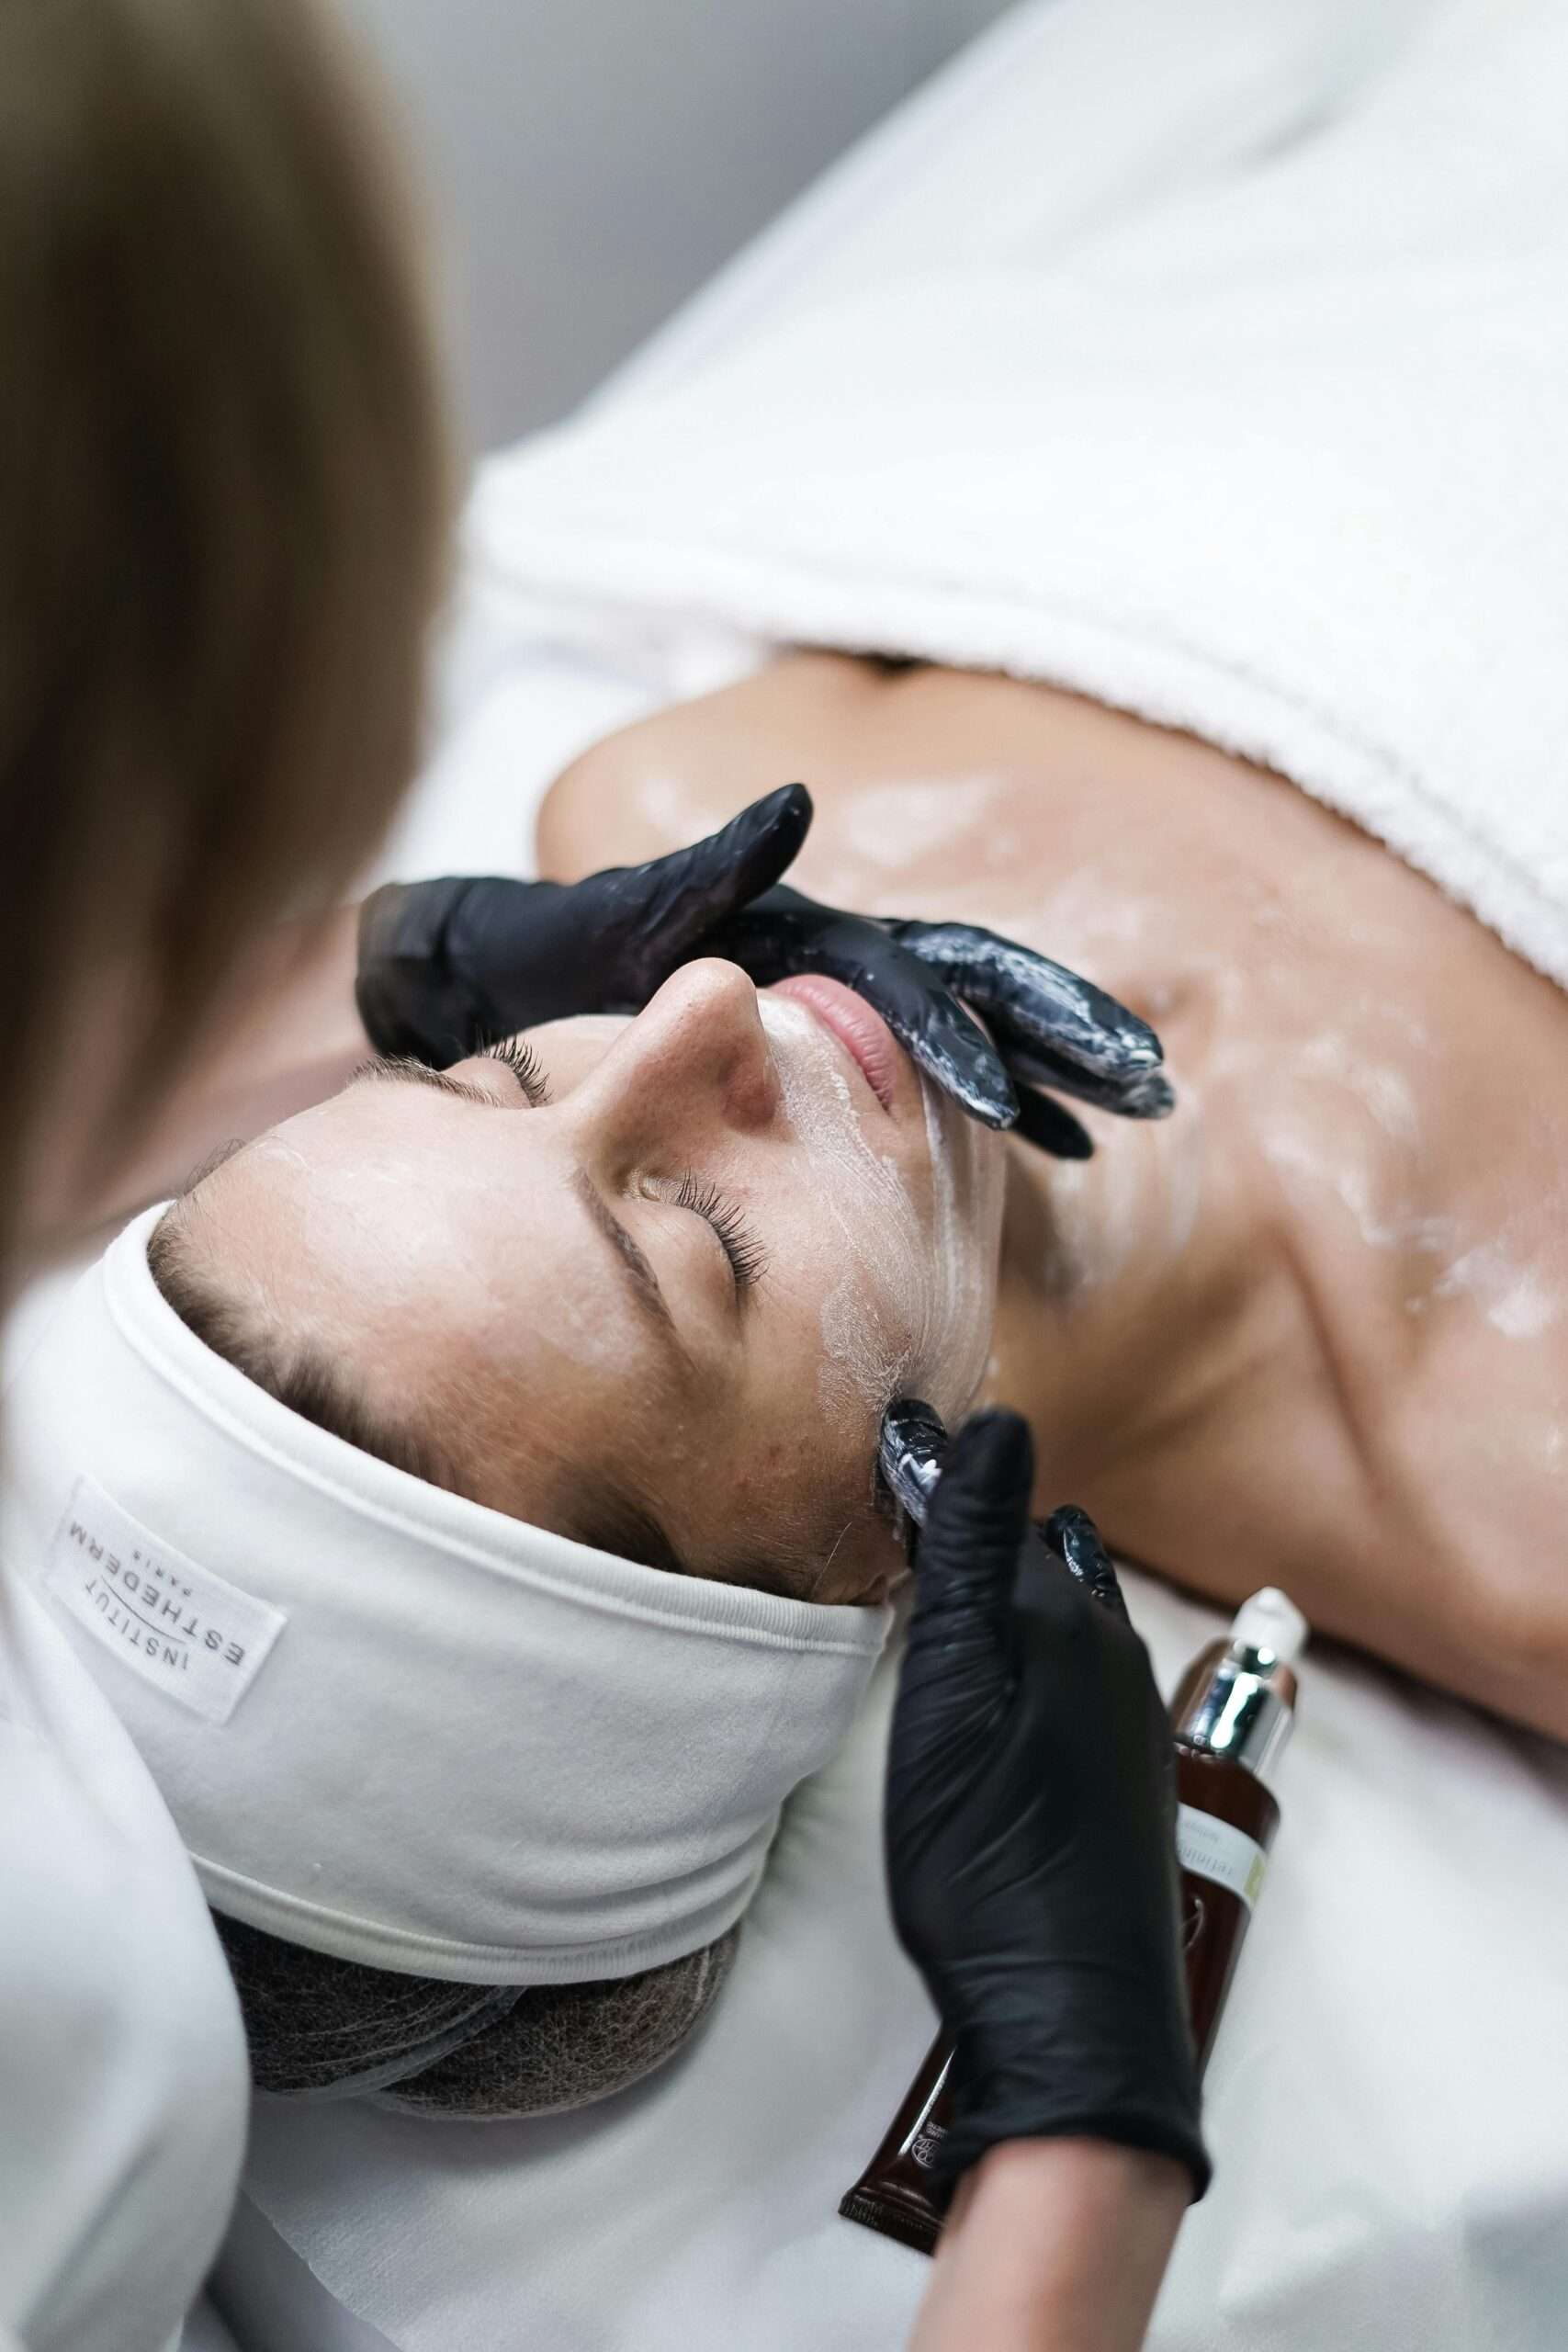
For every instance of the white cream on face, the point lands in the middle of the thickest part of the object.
(910, 1313)
(968, 1166)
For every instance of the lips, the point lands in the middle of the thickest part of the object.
(861, 1030)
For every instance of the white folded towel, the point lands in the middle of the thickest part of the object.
(1258, 429)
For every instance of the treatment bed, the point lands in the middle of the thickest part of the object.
(1386, 2108)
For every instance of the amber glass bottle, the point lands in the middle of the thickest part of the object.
(1230, 1719)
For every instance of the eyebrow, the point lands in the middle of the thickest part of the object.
(641, 1280)
(403, 1070)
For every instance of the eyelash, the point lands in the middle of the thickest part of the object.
(747, 1260)
(525, 1065)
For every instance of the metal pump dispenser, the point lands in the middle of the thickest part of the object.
(1238, 1700)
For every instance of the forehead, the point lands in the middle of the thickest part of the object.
(437, 1251)
(413, 1222)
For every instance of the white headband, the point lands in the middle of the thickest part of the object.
(391, 1724)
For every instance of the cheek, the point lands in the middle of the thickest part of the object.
(968, 1164)
(818, 1481)
(854, 1341)
(807, 1438)
(896, 1293)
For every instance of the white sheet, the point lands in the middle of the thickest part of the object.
(1216, 366)
(1385, 2104)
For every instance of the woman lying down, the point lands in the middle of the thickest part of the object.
(466, 1490)
(514, 1402)
(1311, 1328)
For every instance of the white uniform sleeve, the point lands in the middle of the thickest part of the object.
(123, 2087)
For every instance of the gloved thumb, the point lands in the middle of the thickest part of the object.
(967, 1556)
(686, 894)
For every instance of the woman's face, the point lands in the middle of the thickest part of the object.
(684, 1260)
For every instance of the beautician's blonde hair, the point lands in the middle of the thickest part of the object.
(223, 505)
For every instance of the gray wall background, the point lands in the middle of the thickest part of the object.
(593, 161)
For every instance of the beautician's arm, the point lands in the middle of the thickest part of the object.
(1030, 1831)
(1053, 2245)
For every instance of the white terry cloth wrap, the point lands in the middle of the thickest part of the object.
(389, 1724)
(1217, 368)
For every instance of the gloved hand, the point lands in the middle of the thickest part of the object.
(1031, 1818)
(445, 966)
(1049, 1027)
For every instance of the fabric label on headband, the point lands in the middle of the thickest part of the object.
(179, 1626)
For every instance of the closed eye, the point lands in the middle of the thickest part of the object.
(523, 1062)
(747, 1260)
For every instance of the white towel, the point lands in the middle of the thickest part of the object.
(1218, 371)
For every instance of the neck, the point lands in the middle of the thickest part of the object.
(1117, 1310)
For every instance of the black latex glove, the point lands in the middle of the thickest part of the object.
(448, 965)
(1030, 1819)
(1048, 1026)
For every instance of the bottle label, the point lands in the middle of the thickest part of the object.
(1217, 1850)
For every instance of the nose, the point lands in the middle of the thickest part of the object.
(695, 1059)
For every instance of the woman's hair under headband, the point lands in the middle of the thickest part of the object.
(391, 1724)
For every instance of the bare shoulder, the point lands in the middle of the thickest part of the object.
(668, 779)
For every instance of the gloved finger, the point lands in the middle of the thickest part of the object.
(1031, 1002)
(1045, 1124)
(931, 1024)
(1074, 1539)
(967, 1555)
(783, 933)
(417, 986)
(940, 1039)
(675, 900)
(1146, 1094)
(910, 1445)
